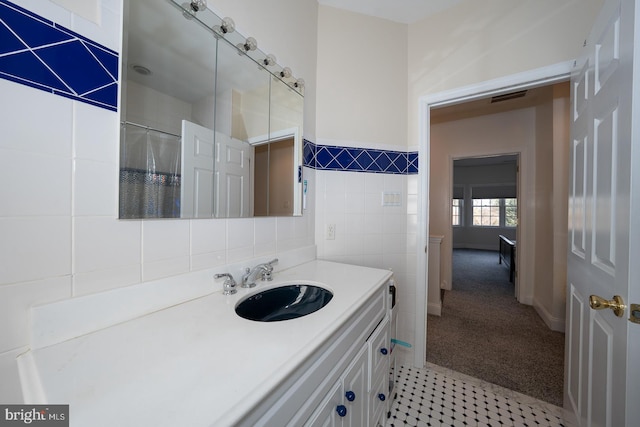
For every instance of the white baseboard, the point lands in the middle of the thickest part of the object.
(554, 323)
(434, 308)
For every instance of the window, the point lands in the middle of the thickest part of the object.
(486, 212)
(510, 212)
(495, 212)
(456, 212)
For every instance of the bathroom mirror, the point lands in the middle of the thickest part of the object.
(208, 127)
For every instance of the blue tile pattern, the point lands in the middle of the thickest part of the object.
(349, 159)
(42, 54)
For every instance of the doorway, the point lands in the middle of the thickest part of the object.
(273, 187)
(484, 206)
(430, 178)
(484, 188)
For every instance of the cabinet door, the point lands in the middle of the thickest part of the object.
(379, 365)
(380, 351)
(327, 413)
(378, 399)
(355, 388)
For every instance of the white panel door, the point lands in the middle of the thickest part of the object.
(196, 189)
(233, 174)
(601, 370)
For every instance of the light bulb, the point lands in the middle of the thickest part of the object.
(270, 60)
(227, 25)
(285, 73)
(198, 5)
(250, 44)
(299, 83)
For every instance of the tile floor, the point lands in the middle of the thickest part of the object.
(437, 396)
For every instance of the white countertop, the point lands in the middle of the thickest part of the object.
(197, 363)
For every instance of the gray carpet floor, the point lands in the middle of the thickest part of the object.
(484, 332)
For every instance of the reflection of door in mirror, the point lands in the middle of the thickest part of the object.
(232, 178)
(196, 191)
(273, 189)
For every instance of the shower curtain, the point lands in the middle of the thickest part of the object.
(149, 173)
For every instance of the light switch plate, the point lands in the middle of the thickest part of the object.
(391, 198)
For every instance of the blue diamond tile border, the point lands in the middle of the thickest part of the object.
(350, 159)
(44, 55)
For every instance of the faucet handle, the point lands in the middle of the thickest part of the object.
(267, 274)
(267, 271)
(273, 261)
(229, 285)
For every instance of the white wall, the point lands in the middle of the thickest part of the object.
(60, 235)
(362, 102)
(477, 41)
(550, 204)
(362, 79)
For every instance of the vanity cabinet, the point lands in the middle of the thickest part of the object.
(342, 385)
(359, 396)
(346, 403)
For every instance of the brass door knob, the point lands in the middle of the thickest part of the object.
(616, 304)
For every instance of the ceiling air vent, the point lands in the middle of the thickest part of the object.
(508, 96)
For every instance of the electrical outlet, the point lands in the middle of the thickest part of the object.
(331, 232)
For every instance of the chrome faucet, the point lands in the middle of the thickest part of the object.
(229, 285)
(265, 270)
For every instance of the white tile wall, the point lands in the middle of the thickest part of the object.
(107, 253)
(370, 234)
(265, 236)
(34, 247)
(94, 139)
(45, 183)
(93, 191)
(165, 248)
(208, 243)
(240, 238)
(15, 300)
(38, 123)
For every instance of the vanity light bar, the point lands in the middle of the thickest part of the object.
(198, 11)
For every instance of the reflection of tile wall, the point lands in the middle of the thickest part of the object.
(351, 159)
(42, 54)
